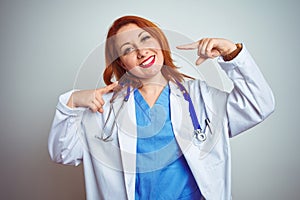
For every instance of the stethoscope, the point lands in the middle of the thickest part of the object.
(199, 134)
(107, 137)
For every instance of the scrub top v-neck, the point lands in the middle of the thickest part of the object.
(161, 170)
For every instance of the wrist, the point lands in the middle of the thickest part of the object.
(233, 53)
(70, 102)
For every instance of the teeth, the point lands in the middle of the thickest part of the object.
(148, 61)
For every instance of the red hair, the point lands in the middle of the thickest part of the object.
(113, 66)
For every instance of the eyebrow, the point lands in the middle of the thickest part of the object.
(139, 35)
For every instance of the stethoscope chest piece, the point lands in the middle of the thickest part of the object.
(199, 135)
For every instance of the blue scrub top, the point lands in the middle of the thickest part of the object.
(162, 171)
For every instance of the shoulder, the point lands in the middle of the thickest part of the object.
(201, 87)
(214, 99)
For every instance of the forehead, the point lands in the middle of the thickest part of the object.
(131, 27)
(127, 33)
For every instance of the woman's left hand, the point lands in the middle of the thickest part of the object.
(210, 48)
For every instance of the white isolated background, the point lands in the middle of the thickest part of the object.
(44, 43)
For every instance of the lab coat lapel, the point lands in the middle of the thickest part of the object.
(126, 123)
(184, 130)
(198, 157)
(182, 125)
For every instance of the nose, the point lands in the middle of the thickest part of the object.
(142, 52)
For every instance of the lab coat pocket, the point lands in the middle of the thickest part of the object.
(212, 136)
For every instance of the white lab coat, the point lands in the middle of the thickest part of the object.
(109, 167)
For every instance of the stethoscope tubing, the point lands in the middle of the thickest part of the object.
(199, 135)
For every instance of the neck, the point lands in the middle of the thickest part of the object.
(152, 88)
(153, 84)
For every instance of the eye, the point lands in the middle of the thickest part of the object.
(128, 50)
(146, 37)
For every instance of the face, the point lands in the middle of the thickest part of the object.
(140, 53)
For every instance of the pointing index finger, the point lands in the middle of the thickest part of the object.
(190, 46)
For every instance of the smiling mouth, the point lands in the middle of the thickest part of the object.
(148, 62)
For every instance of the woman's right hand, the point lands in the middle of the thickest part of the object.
(91, 99)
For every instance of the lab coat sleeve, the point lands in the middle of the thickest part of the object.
(64, 143)
(251, 99)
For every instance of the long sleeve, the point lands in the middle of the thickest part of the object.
(251, 99)
(64, 143)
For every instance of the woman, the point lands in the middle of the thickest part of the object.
(152, 134)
